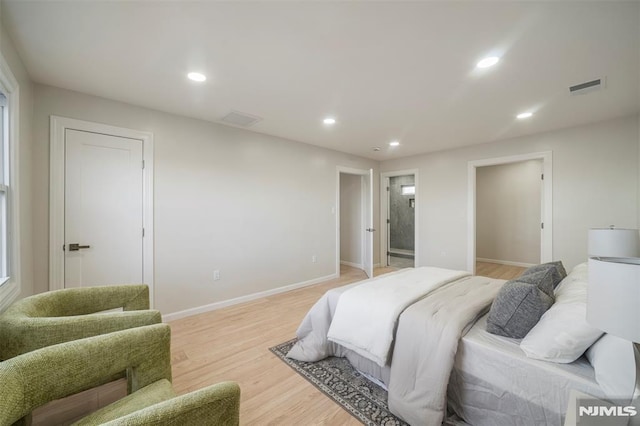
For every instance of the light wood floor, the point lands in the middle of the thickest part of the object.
(207, 349)
(494, 270)
(232, 344)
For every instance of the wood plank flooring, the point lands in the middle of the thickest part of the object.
(207, 349)
(494, 270)
(232, 344)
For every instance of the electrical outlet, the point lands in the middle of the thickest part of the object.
(314, 259)
(216, 275)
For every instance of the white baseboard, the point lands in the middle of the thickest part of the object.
(505, 262)
(242, 299)
(354, 265)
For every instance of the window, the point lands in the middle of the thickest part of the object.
(4, 190)
(9, 192)
(408, 189)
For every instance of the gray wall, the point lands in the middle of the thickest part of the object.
(401, 214)
(508, 212)
(253, 206)
(351, 219)
(595, 183)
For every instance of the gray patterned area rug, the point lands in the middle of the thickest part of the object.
(337, 379)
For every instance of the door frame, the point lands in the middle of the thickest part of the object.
(58, 126)
(546, 234)
(384, 214)
(364, 174)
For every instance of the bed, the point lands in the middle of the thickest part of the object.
(494, 383)
(488, 381)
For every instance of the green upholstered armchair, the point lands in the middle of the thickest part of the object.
(35, 378)
(63, 315)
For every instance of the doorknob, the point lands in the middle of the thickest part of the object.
(76, 247)
(370, 230)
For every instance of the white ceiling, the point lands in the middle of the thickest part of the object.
(385, 70)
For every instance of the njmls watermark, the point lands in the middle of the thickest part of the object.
(593, 412)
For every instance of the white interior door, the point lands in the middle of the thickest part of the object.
(367, 208)
(103, 209)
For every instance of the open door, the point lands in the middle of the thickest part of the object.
(367, 212)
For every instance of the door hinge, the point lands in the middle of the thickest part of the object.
(387, 188)
(64, 247)
(388, 220)
(542, 225)
(542, 176)
(142, 232)
(142, 164)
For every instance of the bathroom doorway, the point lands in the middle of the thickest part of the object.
(400, 217)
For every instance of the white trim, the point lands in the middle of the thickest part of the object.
(359, 172)
(56, 195)
(546, 234)
(11, 289)
(353, 265)
(384, 212)
(242, 299)
(505, 262)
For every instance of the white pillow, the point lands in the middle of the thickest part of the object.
(614, 363)
(563, 334)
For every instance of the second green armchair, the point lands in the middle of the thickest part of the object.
(35, 378)
(64, 315)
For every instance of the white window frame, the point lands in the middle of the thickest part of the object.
(10, 287)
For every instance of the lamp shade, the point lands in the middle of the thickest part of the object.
(614, 242)
(613, 298)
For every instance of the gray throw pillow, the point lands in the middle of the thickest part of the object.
(543, 279)
(557, 268)
(520, 303)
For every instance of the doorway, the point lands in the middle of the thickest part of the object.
(101, 222)
(354, 219)
(401, 200)
(509, 215)
(399, 207)
(510, 211)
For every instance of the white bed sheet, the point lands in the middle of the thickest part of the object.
(494, 383)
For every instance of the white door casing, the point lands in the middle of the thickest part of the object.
(367, 193)
(103, 209)
(546, 233)
(384, 213)
(367, 237)
(120, 143)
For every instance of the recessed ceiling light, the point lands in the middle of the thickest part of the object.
(329, 120)
(196, 76)
(394, 143)
(488, 62)
(524, 115)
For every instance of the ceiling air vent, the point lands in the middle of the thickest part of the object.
(586, 87)
(241, 119)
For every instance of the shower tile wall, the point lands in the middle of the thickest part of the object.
(401, 214)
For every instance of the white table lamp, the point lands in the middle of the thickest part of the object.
(614, 242)
(613, 301)
(613, 304)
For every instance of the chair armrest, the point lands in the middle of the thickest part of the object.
(23, 334)
(83, 300)
(218, 405)
(35, 378)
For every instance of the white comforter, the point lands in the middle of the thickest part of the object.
(424, 345)
(366, 316)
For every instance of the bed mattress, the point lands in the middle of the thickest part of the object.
(494, 383)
